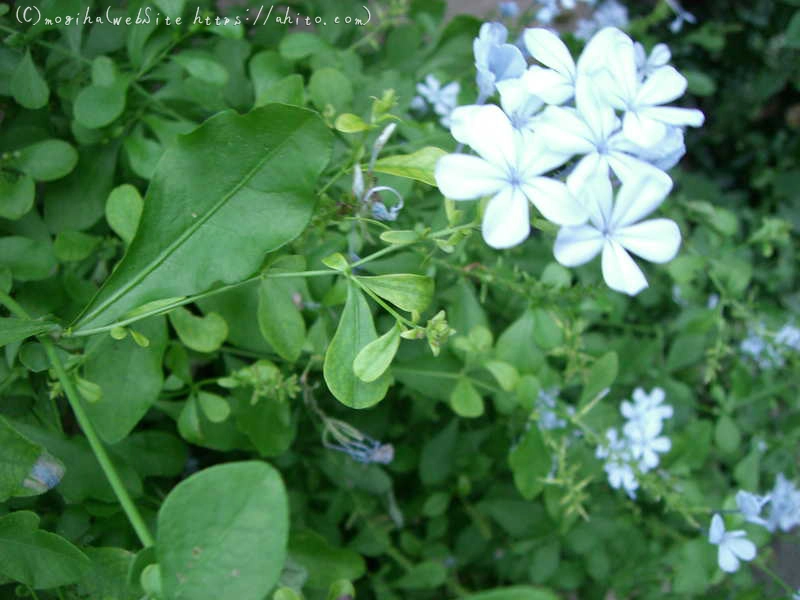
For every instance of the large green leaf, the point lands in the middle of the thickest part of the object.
(530, 462)
(225, 528)
(37, 558)
(356, 330)
(221, 198)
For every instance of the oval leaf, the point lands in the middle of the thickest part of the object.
(234, 541)
(355, 331)
(223, 196)
(406, 291)
(203, 334)
(419, 166)
(375, 357)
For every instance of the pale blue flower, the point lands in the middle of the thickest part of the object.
(509, 10)
(495, 60)
(683, 16)
(784, 505)
(750, 506)
(733, 545)
(789, 336)
(608, 14)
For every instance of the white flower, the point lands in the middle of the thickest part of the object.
(750, 506)
(659, 57)
(645, 121)
(495, 60)
(615, 230)
(683, 15)
(556, 83)
(549, 11)
(593, 130)
(509, 10)
(509, 169)
(664, 155)
(443, 99)
(788, 335)
(646, 406)
(519, 104)
(785, 505)
(609, 14)
(545, 406)
(618, 463)
(733, 545)
(646, 443)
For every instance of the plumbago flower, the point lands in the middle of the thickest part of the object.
(600, 120)
(733, 545)
(615, 228)
(509, 168)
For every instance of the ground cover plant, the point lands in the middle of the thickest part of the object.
(330, 301)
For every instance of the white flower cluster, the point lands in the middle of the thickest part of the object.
(607, 14)
(443, 99)
(733, 546)
(767, 354)
(641, 442)
(616, 130)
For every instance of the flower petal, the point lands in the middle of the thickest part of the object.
(551, 86)
(674, 115)
(656, 240)
(487, 130)
(639, 196)
(593, 191)
(506, 221)
(717, 530)
(742, 547)
(565, 131)
(643, 129)
(727, 560)
(554, 201)
(546, 47)
(506, 62)
(466, 177)
(664, 85)
(599, 116)
(620, 271)
(577, 245)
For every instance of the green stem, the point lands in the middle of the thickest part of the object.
(74, 398)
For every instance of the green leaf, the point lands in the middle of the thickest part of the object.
(350, 123)
(301, 44)
(546, 332)
(203, 66)
(465, 399)
(229, 192)
(686, 350)
(356, 330)
(97, 106)
(26, 469)
(15, 330)
(129, 376)
(107, 577)
(404, 290)
(374, 359)
(224, 528)
(601, 376)
(47, 160)
(437, 460)
(423, 576)
(530, 462)
(153, 453)
(203, 334)
(793, 31)
(279, 319)
(340, 590)
(17, 193)
(39, 559)
(520, 592)
(29, 260)
(70, 246)
(216, 408)
(172, 8)
(27, 85)
(289, 90)
(104, 71)
(505, 374)
(268, 425)
(419, 165)
(329, 86)
(727, 435)
(325, 563)
(123, 211)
